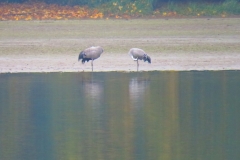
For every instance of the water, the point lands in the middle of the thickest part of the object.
(135, 116)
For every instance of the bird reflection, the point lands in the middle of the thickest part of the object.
(93, 92)
(137, 88)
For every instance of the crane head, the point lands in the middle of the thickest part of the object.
(147, 58)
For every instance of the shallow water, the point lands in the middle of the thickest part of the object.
(146, 115)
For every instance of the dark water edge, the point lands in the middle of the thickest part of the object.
(114, 115)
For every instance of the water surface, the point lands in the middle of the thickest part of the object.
(136, 116)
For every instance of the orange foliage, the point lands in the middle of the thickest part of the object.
(42, 11)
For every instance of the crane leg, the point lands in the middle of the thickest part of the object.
(137, 65)
(92, 65)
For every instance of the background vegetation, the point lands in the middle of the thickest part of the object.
(75, 9)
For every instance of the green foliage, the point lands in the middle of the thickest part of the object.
(130, 7)
(90, 3)
(231, 6)
(203, 9)
(138, 8)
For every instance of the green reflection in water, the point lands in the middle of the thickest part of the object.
(148, 115)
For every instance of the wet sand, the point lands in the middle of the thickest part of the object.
(173, 44)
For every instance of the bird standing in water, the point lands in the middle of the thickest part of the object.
(139, 54)
(90, 53)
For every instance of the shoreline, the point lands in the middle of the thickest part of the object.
(121, 63)
(173, 45)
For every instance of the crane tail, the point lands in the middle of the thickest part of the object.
(80, 56)
(148, 59)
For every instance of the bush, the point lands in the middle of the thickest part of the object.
(203, 9)
(231, 6)
(90, 3)
(130, 7)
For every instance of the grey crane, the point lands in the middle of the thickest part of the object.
(139, 54)
(90, 53)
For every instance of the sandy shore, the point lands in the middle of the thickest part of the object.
(175, 44)
(119, 63)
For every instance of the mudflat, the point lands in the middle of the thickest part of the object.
(173, 44)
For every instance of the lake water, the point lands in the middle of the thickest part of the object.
(120, 116)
